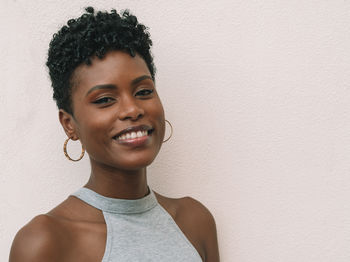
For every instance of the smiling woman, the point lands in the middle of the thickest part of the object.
(116, 96)
(103, 75)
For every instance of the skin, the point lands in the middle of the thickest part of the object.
(76, 231)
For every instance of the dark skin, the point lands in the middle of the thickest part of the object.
(76, 231)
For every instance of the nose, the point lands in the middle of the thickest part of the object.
(130, 109)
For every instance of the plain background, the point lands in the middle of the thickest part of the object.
(258, 94)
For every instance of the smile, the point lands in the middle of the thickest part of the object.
(136, 135)
(132, 135)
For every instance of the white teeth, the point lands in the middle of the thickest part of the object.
(133, 135)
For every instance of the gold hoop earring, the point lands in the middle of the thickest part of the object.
(171, 132)
(66, 153)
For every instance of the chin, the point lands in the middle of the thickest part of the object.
(131, 161)
(135, 163)
(136, 166)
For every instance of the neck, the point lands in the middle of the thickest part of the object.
(115, 183)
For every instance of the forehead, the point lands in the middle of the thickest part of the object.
(115, 67)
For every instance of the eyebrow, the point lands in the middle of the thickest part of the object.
(106, 86)
(139, 79)
(112, 86)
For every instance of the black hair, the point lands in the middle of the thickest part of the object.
(93, 34)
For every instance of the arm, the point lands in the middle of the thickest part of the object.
(211, 241)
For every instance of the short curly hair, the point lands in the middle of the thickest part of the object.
(93, 34)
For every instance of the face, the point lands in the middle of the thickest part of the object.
(118, 116)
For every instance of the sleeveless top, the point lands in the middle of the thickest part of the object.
(140, 230)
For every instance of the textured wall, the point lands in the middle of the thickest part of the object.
(258, 94)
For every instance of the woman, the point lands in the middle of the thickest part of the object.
(102, 75)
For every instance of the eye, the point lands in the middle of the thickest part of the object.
(144, 92)
(103, 100)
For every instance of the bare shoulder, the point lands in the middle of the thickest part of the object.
(185, 206)
(36, 241)
(187, 211)
(201, 220)
(197, 223)
(195, 211)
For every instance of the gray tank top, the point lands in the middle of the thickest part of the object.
(140, 230)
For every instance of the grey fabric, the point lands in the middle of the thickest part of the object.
(140, 230)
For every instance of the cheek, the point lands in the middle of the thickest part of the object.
(95, 128)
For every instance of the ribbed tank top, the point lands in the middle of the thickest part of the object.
(140, 230)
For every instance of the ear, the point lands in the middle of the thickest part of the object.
(69, 124)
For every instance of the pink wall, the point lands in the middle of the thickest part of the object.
(258, 94)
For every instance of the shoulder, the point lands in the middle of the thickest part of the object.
(185, 206)
(195, 215)
(187, 211)
(202, 222)
(196, 222)
(192, 208)
(36, 241)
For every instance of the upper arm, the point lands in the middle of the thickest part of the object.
(35, 242)
(204, 224)
(211, 240)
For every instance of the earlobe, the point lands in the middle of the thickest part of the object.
(68, 123)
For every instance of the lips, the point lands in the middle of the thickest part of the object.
(131, 131)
